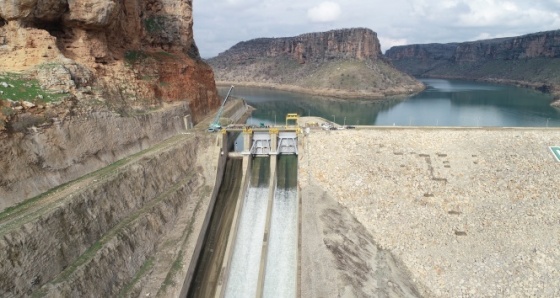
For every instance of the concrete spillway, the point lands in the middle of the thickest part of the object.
(245, 263)
(280, 278)
(250, 249)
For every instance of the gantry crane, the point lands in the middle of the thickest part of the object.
(215, 125)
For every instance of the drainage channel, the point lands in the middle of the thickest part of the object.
(210, 261)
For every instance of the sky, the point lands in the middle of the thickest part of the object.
(220, 24)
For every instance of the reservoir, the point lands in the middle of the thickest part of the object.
(443, 103)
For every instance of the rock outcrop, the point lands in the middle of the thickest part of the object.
(130, 53)
(85, 83)
(345, 63)
(532, 60)
(110, 234)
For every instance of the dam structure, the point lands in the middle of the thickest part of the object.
(257, 231)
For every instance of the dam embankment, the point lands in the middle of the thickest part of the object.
(462, 211)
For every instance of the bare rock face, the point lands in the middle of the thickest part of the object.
(343, 63)
(92, 13)
(110, 41)
(99, 55)
(358, 43)
(50, 10)
(532, 60)
(12, 10)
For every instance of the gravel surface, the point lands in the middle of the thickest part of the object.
(470, 212)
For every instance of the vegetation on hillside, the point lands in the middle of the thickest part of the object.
(19, 92)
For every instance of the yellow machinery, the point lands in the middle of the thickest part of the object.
(292, 116)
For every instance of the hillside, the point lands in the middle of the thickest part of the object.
(343, 63)
(531, 60)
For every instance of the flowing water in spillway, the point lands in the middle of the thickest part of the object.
(244, 271)
(281, 268)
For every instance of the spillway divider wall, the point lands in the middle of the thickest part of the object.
(266, 236)
(301, 155)
(226, 265)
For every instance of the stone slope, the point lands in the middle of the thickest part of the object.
(344, 63)
(469, 212)
(532, 60)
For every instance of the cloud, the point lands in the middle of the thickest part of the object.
(325, 12)
(219, 24)
(387, 42)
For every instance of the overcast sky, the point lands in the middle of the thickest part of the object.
(220, 24)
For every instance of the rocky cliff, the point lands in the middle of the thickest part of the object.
(532, 60)
(85, 83)
(346, 63)
(128, 53)
(103, 193)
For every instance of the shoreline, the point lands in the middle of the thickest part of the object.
(341, 94)
(546, 88)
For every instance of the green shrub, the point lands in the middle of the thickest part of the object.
(132, 57)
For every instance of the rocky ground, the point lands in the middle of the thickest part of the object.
(469, 212)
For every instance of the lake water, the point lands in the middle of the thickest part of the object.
(443, 103)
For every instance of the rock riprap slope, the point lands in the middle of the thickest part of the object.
(469, 212)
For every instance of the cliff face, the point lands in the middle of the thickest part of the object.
(532, 59)
(85, 83)
(311, 47)
(116, 231)
(130, 52)
(346, 63)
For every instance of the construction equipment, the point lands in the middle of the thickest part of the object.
(215, 125)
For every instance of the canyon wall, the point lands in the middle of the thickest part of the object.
(47, 157)
(85, 83)
(355, 43)
(531, 60)
(134, 224)
(344, 63)
(133, 53)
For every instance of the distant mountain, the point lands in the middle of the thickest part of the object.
(342, 63)
(531, 60)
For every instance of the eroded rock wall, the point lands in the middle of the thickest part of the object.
(94, 241)
(342, 63)
(128, 72)
(358, 43)
(532, 59)
(33, 163)
(131, 52)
